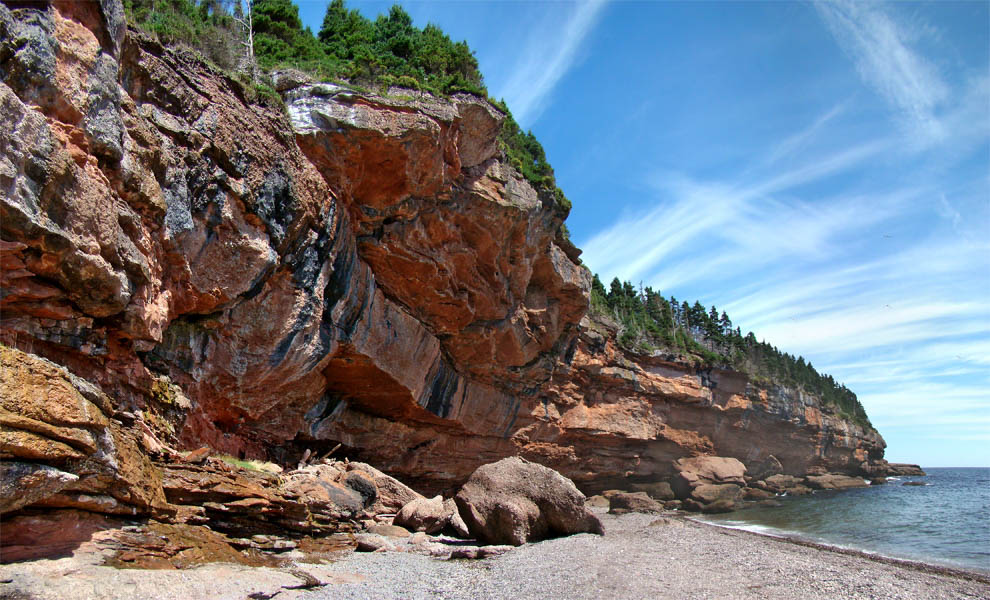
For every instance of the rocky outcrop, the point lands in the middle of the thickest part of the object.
(514, 501)
(832, 481)
(898, 469)
(184, 265)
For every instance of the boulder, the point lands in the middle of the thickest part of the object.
(432, 515)
(418, 538)
(634, 502)
(392, 494)
(702, 470)
(422, 514)
(318, 486)
(514, 501)
(878, 481)
(914, 483)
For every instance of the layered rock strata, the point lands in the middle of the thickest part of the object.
(184, 265)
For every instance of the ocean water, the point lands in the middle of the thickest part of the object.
(946, 522)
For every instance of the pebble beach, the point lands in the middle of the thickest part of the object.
(640, 556)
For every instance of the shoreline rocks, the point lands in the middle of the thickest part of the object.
(904, 469)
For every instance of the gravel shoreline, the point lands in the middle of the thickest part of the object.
(645, 556)
(641, 556)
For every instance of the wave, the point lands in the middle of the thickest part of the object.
(785, 534)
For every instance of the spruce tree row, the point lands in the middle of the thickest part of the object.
(649, 322)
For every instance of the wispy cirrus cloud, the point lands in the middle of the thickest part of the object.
(546, 57)
(880, 48)
(816, 247)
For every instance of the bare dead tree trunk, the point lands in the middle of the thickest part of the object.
(247, 22)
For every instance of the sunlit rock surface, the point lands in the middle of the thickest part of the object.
(184, 266)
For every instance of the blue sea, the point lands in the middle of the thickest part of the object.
(945, 522)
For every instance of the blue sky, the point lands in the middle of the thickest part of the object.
(820, 171)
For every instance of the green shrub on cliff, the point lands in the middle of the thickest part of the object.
(649, 321)
(206, 26)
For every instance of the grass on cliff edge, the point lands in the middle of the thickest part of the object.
(389, 51)
(250, 465)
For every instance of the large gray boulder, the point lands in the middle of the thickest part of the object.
(514, 501)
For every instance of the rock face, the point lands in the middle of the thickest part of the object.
(183, 267)
(514, 501)
(60, 449)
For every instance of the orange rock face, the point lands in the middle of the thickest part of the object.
(354, 268)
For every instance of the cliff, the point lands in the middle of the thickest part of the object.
(186, 264)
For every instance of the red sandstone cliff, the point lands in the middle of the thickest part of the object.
(352, 268)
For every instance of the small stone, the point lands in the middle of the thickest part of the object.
(597, 502)
(419, 538)
(198, 456)
(284, 545)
